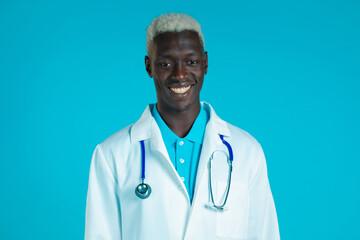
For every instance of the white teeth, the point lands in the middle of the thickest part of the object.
(180, 90)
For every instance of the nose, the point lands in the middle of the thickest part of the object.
(180, 72)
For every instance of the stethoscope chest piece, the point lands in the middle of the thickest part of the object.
(143, 190)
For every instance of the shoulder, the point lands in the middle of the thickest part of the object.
(236, 135)
(248, 152)
(114, 145)
(242, 136)
(120, 138)
(130, 135)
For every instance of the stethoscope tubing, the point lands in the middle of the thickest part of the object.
(142, 160)
(143, 190)
(231, 156)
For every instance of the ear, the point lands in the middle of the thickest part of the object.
(205, 62)
(148, 66)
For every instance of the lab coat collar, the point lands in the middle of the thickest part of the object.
(145, 127)
(220, 126)
(141, 130)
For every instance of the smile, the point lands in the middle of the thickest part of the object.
(180, 90)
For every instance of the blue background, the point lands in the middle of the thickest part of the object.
(72, 73)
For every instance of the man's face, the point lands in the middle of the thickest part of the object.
(178, 64)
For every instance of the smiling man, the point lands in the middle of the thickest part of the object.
(178, 63)
(179, 172)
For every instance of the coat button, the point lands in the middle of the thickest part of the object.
(182, 160)
(182, 179)
(181, 143)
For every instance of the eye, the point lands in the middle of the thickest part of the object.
(164, 64)
(192, 62)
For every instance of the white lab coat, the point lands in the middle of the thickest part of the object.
(113, 211)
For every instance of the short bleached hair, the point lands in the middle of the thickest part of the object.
(172, 22)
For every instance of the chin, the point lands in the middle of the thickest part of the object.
(182, 106)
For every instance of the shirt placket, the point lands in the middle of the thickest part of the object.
(182, 160)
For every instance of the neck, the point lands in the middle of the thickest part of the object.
(180, 122)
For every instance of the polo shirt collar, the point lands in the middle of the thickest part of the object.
(164, 129)
(144, 127)
(196, 133)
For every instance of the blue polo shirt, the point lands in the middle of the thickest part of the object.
(184, 152)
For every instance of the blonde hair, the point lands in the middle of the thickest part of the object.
(172, 22)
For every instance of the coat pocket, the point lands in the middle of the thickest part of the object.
(233, 221)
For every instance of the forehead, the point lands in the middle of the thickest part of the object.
(177, 42)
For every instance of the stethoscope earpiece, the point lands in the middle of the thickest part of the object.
(143, 190)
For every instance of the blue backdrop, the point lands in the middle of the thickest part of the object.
(72, 73)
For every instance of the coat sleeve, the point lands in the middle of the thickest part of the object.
(103, 219)
(263, 223)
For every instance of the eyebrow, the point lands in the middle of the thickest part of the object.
(189, 54)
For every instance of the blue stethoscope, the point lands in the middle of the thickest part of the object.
(143, 190)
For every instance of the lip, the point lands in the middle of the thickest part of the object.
(180, 90)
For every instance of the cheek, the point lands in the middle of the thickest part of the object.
(162, 78)
(159, 85)
(199, 76)
(161, 75)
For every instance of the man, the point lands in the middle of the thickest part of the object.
(167, 176)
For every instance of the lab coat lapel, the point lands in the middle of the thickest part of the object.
(157, 144)
(211, 142)
(146, 128)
